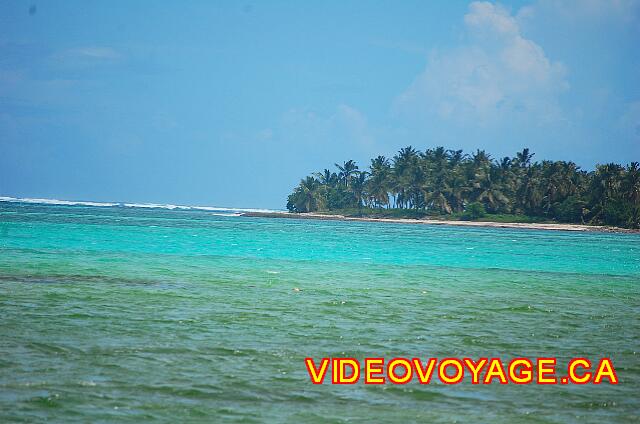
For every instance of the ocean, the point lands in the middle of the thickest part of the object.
(124, 313)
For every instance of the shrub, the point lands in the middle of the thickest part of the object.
(473, 211)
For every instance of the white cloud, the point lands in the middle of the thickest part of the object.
(487, 16)
(95, 52)
(498, 75)
(88, 55)
(345, 124)
(355, 124)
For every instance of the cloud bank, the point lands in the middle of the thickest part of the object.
(498, 75)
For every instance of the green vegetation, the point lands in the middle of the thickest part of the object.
(473, 211)
(452, 185)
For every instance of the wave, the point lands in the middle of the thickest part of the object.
(55, 202)
(217, 209)
(222, 211)
(154, 206)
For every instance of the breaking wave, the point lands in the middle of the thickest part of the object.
(219, 210)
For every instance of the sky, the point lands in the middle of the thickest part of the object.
(231, 103)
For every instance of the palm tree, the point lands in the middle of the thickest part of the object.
(605, 184)
(406, 176)
(491, 192)
(358, 187)
(327, 178)
(436, 189)
(631, 183)
(309, 187)
(380, 165)
(446, 181)
(458, 187)
(552, 183)
(379, 181)
(606, 181)
(523, 159)
(458, 191)
(347, 170)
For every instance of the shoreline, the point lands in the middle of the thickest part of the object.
(486, 224)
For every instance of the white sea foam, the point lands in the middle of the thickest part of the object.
(221, 211)
(54, 202)
(217, 209)
(155, 206)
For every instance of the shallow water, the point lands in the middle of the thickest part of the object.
(124, 314)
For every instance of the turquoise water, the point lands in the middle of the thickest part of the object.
(129, 314)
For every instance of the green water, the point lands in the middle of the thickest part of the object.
(130, 314)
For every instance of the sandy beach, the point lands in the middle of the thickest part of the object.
(490, 224)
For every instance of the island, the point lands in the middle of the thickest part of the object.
(450, 187)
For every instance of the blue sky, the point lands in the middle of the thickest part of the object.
(231, 103)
